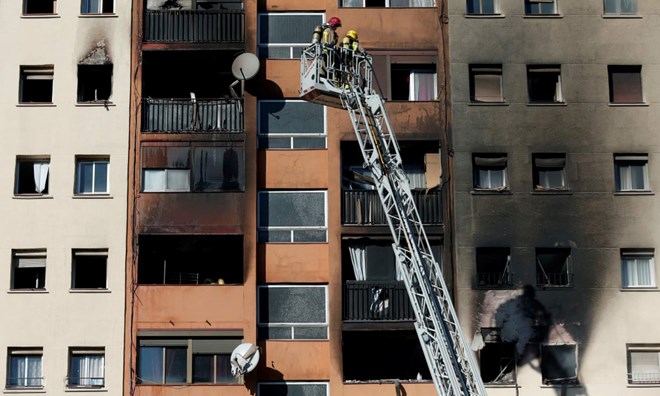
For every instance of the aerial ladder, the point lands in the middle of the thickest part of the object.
(341, 78)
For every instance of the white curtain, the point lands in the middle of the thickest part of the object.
(40, 176)
(559, 96)
(91, 370)
(353, 3)
(422, 86)
(637, 272)
(359, 260)
(421, 3)
(28, 371)
(416, 174)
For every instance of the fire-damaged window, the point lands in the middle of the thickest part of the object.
(292, 312)
(214, 168)
(285, 35)
(398, 353)
(544, 84)
(293, 389)
(549, 171)
(28, 269)
(97, 6)
(190, 259)
(406, 75)
(94, 83)
(493, 267)
(36, 7)
(32, 175)
(89, 269)
(489, 171)
(36, 85)
(292, 216)
(497, 359)
(553, 267)
(291, 124)
(559, 363)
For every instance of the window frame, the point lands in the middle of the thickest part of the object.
(35, 258)
(292, 136)
(624, 69)
(533, 86)
(38, 73)
(618, 6)
(86, 352)
(627, 161)
(292, 229)
(496, 7)
(484, 279)
(538, 4)
(25, 352)
(558, 279)
(294, 325)
(101, 4)
(37, 14)
(84, 74)
(40, 159)
(485, 70)
(263, 46)
(387, 4)
(80, 161)
(97, 253)
(641, 348)
(382, 65)
(570, 380)
(287, 383)
(477, 183)
(538, 168)
(627, 255)
(493, 336)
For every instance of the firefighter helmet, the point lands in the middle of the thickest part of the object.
(334, 22)
(352, 34)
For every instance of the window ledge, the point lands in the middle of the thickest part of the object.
(484, 16)
(27, 104)
(643, 104)
(634, 193)
(643, 385)
(551, 192)
(40, 16)
(487, 104)
(85, 390)
(536, 104)
(92, 196)
(113, 15)
(640, 289)
(491, 192)
(25, 390)
(621, 16)
(32, 197)
(95, 104)
(542, 16)
(32, 291)
(92, 291)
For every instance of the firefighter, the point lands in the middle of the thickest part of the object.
(316, 35)
(351, 42)
(350, 45)
(329, 41)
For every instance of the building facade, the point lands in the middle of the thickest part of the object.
(553, 127)
(64, 109)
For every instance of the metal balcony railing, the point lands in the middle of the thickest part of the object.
(644, 377)
(549, 279)
(363, 207)
(494, 280)
(25, 382)
(376, 301)
(86, 382)
(191, 26)
(188, 115)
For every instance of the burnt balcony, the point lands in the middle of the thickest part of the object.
(376, 301)
(363, 207)
(192, 115)
(194, 26)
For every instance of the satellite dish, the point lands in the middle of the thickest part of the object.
(245, 66)
(244, 359)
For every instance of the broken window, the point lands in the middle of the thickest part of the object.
(398, 353)
(625, 84)
(28, 269)
(406, 75)
(94, 83)
(483, 7)
(544, 84)
(540, 7)
(292, 312)
(285, 35)
(89, 269)
(631, 172)
(559, 364)
(293, 388)
(292, 216)
(32, 176)
(36, 85)
(490, 171)
(86, 368)
(637, 268)
(92, 176)
(97, 6)
(643, 364)
(486, 83)
(553, 267)
(291, 124)
(621, 7)
(190, 259)
(549, 171)
(497, 359)
(218, 168)
(493, 267)
(36, 7)
(186, 358)
(25, 368)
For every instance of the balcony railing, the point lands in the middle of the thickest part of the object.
(219, 26)
(549, 279)
(86, 382)
(363, 207)
(494, 280)
(376, 301)
(187, 115)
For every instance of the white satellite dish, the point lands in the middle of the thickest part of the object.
(244, 67)
(244, 359)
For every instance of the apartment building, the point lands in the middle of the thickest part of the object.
(554, 129)
(251, 219)
(64, 109)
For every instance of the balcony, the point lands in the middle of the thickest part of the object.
(494, 280)
(376, 301)
(363, 207)
(192, 115)
(549, 279)
(194, 26)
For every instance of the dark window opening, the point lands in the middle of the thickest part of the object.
(97, 6)
(28, 269)
(402, 358)
(36, 84)
(89, 269)
(544, 84)
(553, 267)
(405, 75)
(493, 267)
(38, 7)
(32, 177)
(94, 83)
(559, 364)
(212, 369)
(190, 259)
(625, 84)
(497, 362)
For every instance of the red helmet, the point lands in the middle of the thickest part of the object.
(334, 22)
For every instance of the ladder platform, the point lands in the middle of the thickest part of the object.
(321, 92)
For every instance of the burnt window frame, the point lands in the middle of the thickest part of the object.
(387, 64)
(491, 280)
(536, 84)
(26, 8)
(492, 336)
(99, 254)
(571, 380)
(96, 78)
(26, 90)
(562, 279)
(286, 385)
(616, 85)
(105, 9)
(548, 162)
(35, 262)
(485, 70)
(479, 163)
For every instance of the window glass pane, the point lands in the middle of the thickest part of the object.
(309, 235)
(293, 389)
(101, 177)
(150, 365)
(551, 178)
(637, 178)
(295, 209)
(292, 305)
(558, 363)
(611, 6)
(203, 368)
(310, 333)
(488, 6)
(154, 180)
(86, 177)
(223, 373)
(218, 168)
(175, 365)
(473, 6)
(287, 28)
(178, 180)
(628, 6)
(309, 143)
(286, 117)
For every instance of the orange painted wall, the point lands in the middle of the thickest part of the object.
(295, 169)
(188, 307)
(294, 360)
(192, 390)
(288, 263)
